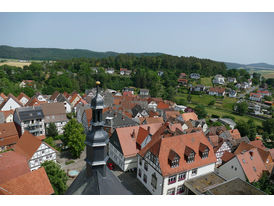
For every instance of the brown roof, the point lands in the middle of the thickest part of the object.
(214, 139)
(8, 112)
(8, 134)
(54, 95)
(227, 156)
(88, 115)
(216, 130)
(12, 165)
(219, 90)
(235, 134)
(189, 115)
(150, 120)
(162, 105)
(258, 144)
(31, 183)
(265, 155)
(173, 114)
(21, 95)
(243, 147)
(27, 145)
(252, 164)
(3, 96)
(35, 102)
(142, 134)
(54, 112)
(272, 153)
(10, 96)
(179, 144)
(127, 142)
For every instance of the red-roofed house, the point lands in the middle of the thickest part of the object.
(23, 98)
(8, 135)
(255, 97)
(35, 150)
(25, 83)
(162, 105)
(166, 162)
(11, 103)
(182, 81)
(217, 91)
(125, 141)
(3, 97)
(31, 183)
(189, 116)
(264, 93)
(247, 165)
(12, 165)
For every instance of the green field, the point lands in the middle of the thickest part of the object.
(206, 81)
(222, 107)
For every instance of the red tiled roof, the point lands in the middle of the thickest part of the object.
(142, 134)
(31, 183)
(243, 146)
(182, 80)
(173, 114)
(255, 94)
(27, 145)
(235, 134)
(162, 105)
(179, 144)
(35, 102)
(252, 164)
(263, 92)
(189, 115)
(258, 144)
(12, 165)
(8, 134)
(3, 96)
(21, 95)
(227, 156)
(219, 90)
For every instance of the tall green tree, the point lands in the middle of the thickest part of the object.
(57, 177)
(265, 184)
(74, 138)
(200, 111)
(51, 131)
(241, 108)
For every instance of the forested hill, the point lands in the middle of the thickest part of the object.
(57, 54)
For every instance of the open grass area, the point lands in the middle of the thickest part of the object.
(15, 63)
(222, 107)
(206, 81)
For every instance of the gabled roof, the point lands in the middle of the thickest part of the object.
(189, 115)
(252, 164)
(27, 145)
(34, 102)
(227, 156)
(12, 165)
(142, 134)
(21, 95)
(31, 183)
(162, 105)
(243, 147)
(54, 95)
(219, 90)
(8, 134)
(235, 134)
(258, 144)
(3, 96)
(179, 144)
(10, 96)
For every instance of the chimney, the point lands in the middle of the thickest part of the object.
(133, 134)
(148, 129)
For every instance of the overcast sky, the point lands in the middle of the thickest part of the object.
(231, 37)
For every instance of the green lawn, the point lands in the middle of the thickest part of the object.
(206, 81)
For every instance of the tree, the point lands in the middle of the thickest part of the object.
(74, 137)
(211, 103)
(243, 128)
(51, 131)
(268, 126)
(241, 108)
(200, 111)
(189, 97)
(252, 132)
(57, 177)
(265, 184)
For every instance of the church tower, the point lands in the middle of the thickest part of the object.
(97, 139)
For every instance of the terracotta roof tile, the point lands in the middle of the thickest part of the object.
(179, 144)
(21, 95)
(189, 115)
(162, 105)
(8, 134)
(31, 183)
(252, 164)
(243, 146)
(27, 145)
(227, 156)
(258, 144)
(3, 96)
(235, 134)
(12, 165)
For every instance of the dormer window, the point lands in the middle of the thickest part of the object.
(173, 159)
(203, 151)
(189, 154)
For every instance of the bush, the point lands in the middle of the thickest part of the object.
(214, 116)
(211, 103)
(69, 162)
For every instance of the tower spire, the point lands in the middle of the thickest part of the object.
(97, 138)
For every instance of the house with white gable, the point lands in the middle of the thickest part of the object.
(152, 105)
(23, 98)
(35, 150)
(219, 79)
(11, 103)
(125, 143)
(166, 162)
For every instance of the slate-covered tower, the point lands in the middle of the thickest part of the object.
(97, 139)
